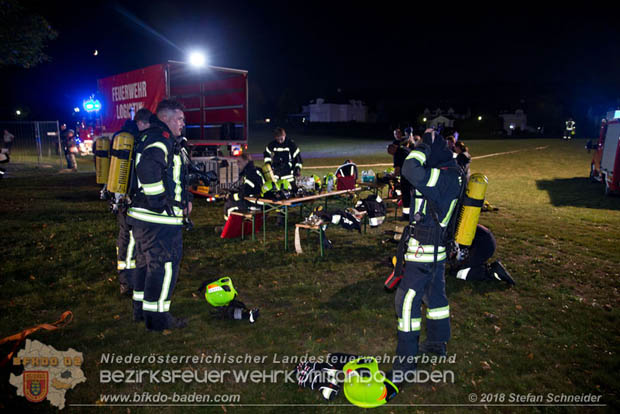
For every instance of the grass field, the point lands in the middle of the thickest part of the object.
(556, 331)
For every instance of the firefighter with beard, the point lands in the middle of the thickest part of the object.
(160, 207)
(436, 179)
(125, 243)
(282, 158)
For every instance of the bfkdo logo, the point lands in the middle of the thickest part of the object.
(36, 385)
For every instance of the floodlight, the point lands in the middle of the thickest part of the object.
(198, 59)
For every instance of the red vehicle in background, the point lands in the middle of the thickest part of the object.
(215, 100)
(216, 112)
(605, 165)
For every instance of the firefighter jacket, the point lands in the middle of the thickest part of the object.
(160, 194)
(252, 184)
(436, 191)
(570, 125)
(284, 158)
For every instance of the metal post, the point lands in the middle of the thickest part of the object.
(59, 146)
(37, 137)
(285, 228)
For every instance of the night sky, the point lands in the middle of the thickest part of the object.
(420, 55)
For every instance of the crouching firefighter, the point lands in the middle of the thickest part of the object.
(436, 181)
(251, 183)
(160, 207)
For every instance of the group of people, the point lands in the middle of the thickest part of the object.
(150, 236)
(151, 216)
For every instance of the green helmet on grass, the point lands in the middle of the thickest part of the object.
(220, 292)
(366, 386)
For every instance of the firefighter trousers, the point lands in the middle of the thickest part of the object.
(421, 282)
(125, 250)
(160, 249)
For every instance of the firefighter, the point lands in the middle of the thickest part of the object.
(400, 153)
(125, 243)
(252, 181)
(159, 208)
(569, 129)
(471, 263)
(436, 179)
(283, 158)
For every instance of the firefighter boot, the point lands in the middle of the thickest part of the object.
(437, 348)
(499, 272)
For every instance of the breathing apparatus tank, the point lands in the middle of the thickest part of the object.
(102, 159)
(470, 210)
(120, 163)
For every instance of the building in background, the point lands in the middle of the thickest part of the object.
(514, 122)
(321, 111)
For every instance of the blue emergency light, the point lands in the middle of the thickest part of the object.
(92, 105)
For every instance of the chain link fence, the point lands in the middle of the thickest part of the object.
(32, 142)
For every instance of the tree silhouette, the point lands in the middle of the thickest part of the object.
(23, 36)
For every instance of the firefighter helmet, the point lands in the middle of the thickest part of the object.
(366, 386)
(220, 292)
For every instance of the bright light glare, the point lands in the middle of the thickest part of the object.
(423, 119)
(479, 118)
(267, 120)
(76, 109)
(197, 59)
(18, 112)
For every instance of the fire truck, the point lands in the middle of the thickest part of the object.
(216, 110)
(605, 165)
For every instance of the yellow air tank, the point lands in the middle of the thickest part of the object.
(470, 211)
(120, 163)
(102, 159)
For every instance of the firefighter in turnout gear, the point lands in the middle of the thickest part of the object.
(283, 158)
(252, 181)
(436, 179)
(160, 206)
(125, 243)
(569, 129)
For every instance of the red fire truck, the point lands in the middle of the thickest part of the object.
(605, 166)
(215, 100)
(216, 111)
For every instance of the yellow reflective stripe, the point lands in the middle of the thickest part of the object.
(159, 145)
(418, 155)
(248, 182)
(269, 152)
(121, 266)
(424, 258)
(176, 176)
(149, 306)
(404, 324)
(296, 153)
(438, 313)
(131, 264)
(446, 219)
(165, 288)
(154, 189)
(267, 160)
(299, 165)
(416, 323)
(138, 296)
(147, 211)
(432, 180)
(153, 218)
(414, 245)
